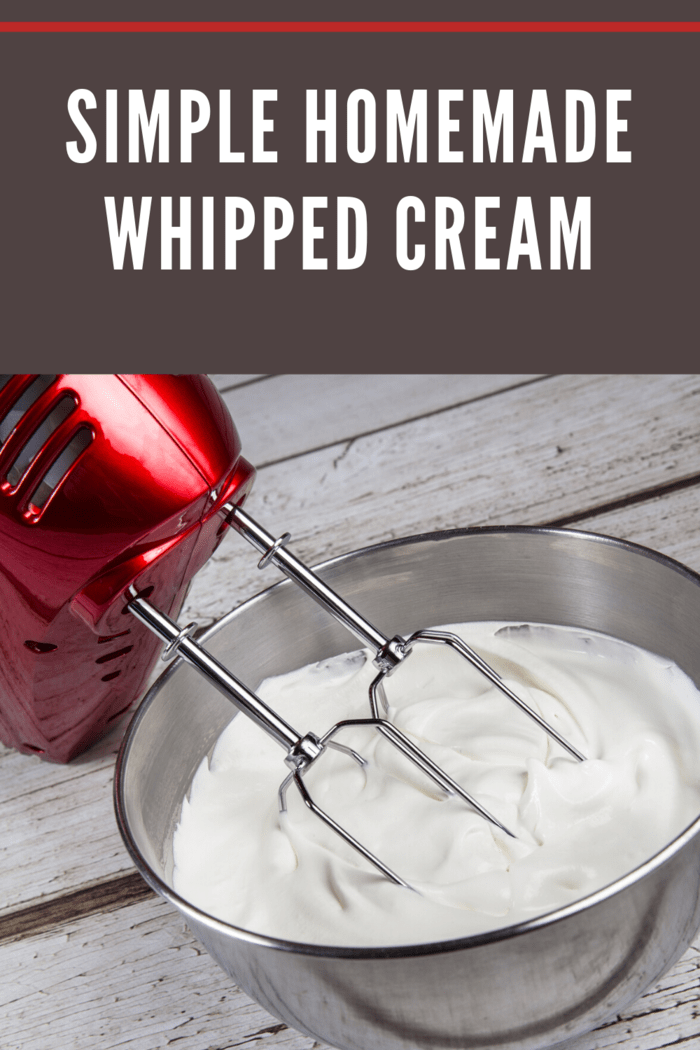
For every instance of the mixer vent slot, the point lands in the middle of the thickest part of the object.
(22, 404)
(36, 442)
(60, 467)
(110, 637)
(114, 656)
(40, 647)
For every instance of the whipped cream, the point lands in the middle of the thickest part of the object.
(578, 825)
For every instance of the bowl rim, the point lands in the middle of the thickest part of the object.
(200, 918)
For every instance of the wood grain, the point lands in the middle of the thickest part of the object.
(103, 897)
(291, 414)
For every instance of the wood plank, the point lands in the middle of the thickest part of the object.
(227, 382)
(290, 414)
(669, 524)
(59, 832)
(137, 979)
(499, 463)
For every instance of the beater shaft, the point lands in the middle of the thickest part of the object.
(179, 642)
(273, 550)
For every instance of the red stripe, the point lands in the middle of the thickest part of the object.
(349, 27)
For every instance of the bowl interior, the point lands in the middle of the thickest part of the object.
(540, 575)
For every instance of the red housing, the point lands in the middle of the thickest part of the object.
(105, 481)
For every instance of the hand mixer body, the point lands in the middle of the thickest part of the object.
(106, 482)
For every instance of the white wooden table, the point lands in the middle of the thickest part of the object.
(90, 958)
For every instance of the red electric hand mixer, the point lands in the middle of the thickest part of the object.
(114, 491)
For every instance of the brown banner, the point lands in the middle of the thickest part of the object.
(355, 201)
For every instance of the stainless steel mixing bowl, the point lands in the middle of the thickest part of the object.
(530, 986)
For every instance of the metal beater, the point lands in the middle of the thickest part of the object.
(303, 750)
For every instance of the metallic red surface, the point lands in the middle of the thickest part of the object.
(140, 505)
